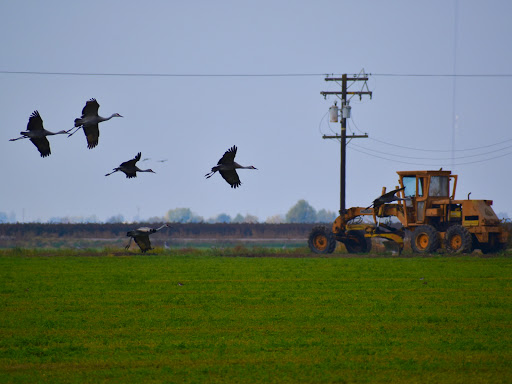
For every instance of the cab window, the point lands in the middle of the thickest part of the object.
(410, 185)
(439, 186)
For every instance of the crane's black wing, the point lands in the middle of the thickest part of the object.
(35, 122)
(228, 157)
(132, 162)
(43, 145)
(386, 198)
(139, 232)
(91, 108)
(92, 134)
(130, 174)
(390, 195)
(231, 177)
(129, 168)
(145, 230)
(143, 242)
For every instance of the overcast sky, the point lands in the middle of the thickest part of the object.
(277, 122)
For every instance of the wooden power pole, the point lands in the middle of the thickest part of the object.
(343, 137)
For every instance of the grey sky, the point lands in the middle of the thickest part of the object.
(276, 122)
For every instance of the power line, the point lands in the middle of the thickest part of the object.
(441, 75)
(430, 150)
(441, 150)
(431, 164)
(142, 74)
(434, 159)
(439, 160)
(162, 74)
(454, 79)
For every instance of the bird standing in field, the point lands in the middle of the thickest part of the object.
(37, 134)
(386, 198)
(141, 237)
(89, 122)
(227, 168)
(129, 168)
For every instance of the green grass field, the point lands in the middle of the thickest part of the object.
(209, 316)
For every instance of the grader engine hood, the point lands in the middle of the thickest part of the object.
(478, 212)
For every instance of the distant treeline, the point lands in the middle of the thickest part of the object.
(180, 234)
(36, 234)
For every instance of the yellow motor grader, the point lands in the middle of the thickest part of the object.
(425, 205)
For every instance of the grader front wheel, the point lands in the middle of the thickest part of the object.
(425, 239)
(321, 240)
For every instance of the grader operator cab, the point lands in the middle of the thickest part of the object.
(426, 207)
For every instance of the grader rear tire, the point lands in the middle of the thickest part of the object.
(321, 240)
(458, 240)
(425, 239)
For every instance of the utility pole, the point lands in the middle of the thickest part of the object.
(345, 113)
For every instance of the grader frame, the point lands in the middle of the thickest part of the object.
(428, 209)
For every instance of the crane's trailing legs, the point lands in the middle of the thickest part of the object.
(72, 133)
(22, 137)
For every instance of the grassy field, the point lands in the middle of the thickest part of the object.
(210, 316)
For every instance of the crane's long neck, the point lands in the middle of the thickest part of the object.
(57, 133)
(163, 226)
(143, 170)
(238, 166)
(101, 118)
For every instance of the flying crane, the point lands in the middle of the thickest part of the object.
(141, 237)
(37, 134)
(227, 167)
(89, 122)
(130, 168)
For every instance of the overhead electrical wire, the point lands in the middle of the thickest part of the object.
(432, 150)
(432, 164)
(440, 75)
(440, 150)
(430, 158)
(362, 149)
(145, 74)
(440, 161)
(164, 74)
